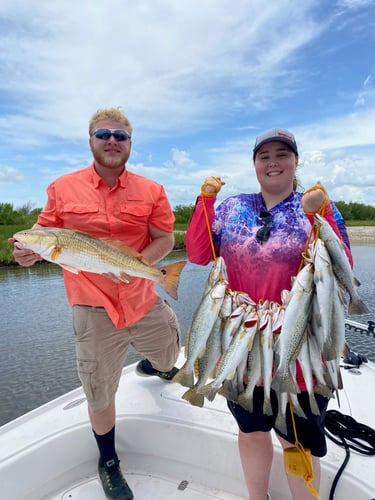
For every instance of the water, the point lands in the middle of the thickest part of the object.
(37, 358)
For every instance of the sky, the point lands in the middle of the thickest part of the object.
(198, 80)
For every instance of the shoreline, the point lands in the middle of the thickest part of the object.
(361, 235)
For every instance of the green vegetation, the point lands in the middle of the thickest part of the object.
(14, 219)
(356, 213)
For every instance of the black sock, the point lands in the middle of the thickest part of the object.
(106, 445)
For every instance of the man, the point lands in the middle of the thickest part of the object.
(108, 201)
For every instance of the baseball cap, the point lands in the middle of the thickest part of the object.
(275, 134)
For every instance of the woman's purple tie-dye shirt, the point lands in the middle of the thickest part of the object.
(260, 270)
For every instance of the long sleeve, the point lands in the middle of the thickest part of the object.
(198, 244)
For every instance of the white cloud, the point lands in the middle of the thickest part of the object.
(10, 175)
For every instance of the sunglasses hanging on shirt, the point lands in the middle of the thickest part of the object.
(264, 232)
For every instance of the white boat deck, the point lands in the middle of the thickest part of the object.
(168, 448)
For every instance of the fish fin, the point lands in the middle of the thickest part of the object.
(356, 281)
(335, 374)
(187, 340)
(197, 367)
(338, 398)
(171, 277)
(357, 307)
(184, 378)
(55, 253)
(193, 397)
(71, 269)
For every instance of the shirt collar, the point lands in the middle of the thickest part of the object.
(96, 179)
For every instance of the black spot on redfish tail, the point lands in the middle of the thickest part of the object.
(171, 277)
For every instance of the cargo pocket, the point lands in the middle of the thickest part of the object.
(86, 372)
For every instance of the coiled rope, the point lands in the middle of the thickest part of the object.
(346, 432)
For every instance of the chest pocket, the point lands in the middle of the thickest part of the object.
(80, 216)
(135, 214)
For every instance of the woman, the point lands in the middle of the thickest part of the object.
(261, 237)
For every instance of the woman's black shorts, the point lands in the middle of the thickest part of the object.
(310, 430)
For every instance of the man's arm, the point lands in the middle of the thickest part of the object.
(161, 245)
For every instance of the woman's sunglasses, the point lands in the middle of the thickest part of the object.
(264, 232)
(105, 134)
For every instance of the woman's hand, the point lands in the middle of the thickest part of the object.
(211, 186)
(314, 199)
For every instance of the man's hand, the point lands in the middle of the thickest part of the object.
(23, 256)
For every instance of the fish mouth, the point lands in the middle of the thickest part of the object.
(18, 244)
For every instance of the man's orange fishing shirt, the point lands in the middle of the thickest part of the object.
(83, 201)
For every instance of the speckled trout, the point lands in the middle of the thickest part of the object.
(76, 251)
(340, 265)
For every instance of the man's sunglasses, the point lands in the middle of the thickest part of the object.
(105, 134)
(264, 232)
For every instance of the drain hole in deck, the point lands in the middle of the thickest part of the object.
(183, 485)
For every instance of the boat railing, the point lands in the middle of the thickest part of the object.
(361, 327)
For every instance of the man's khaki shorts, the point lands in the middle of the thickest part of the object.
(101, 348)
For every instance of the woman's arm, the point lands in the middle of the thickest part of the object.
(198, 244)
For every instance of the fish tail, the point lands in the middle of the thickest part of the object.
(314, 405)
(193, 397)
(280, 423)
(228, 391)
(323, 390)
(246, 402)
(297, 410)
(357, 307)
(267, 408)
(209, 391)
(171, 277)
(184, 377)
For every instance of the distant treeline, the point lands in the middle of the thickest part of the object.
(26, 215)
(15, 219)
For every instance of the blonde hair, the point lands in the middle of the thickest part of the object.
(109, 114)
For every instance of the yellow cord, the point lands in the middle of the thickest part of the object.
(305, 455)
(325, 200)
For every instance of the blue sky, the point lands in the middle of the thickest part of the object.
(198, 79)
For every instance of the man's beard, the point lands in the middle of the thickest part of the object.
(112, 162)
